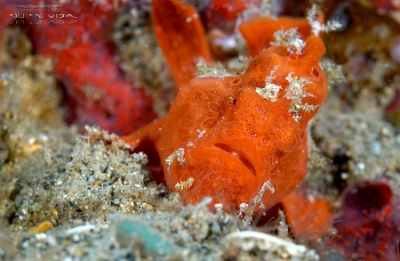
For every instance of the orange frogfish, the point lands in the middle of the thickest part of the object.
(241, 140)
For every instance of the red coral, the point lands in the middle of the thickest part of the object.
(368, 228)
(76, 37)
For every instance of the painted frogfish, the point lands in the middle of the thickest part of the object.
(241, 140)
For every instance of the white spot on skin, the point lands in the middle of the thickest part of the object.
(248, 209)
(270, 90)
(201, 133)
(184, 184)
(176, 155)
(295, 93)
(266, 186)
(296, 46)
(291, 39)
